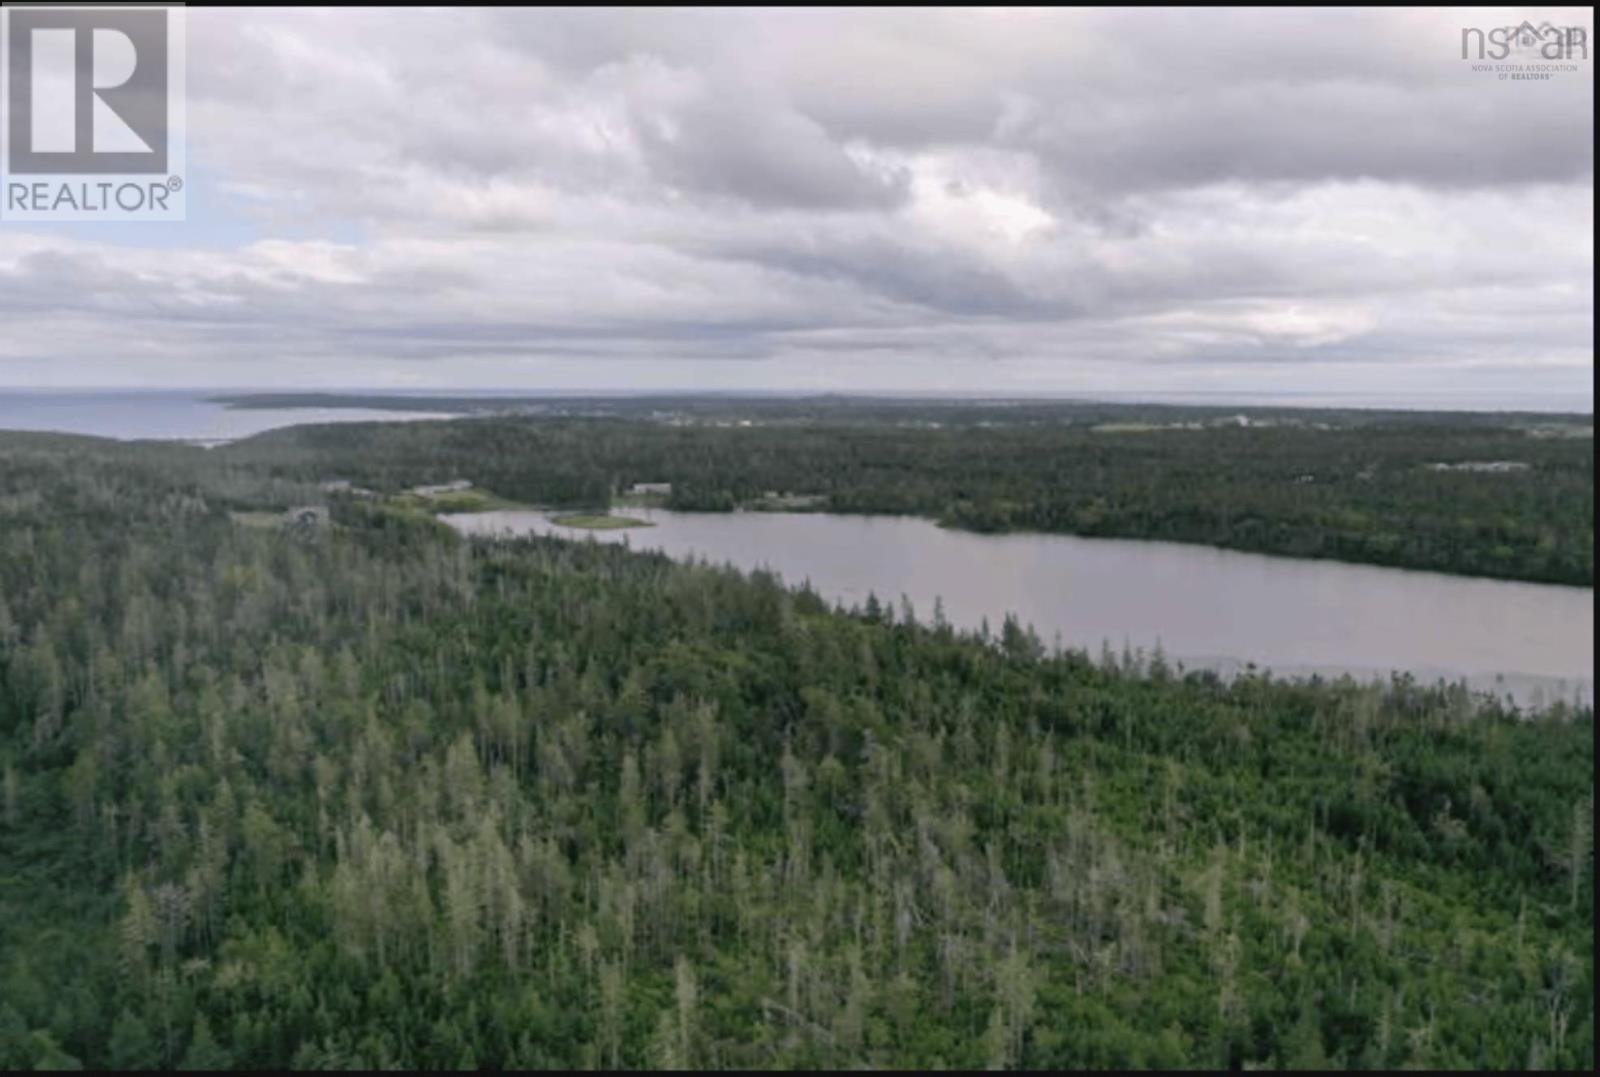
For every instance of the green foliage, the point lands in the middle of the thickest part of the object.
(1349, 486)
(203, 1055)
(380, 797)
(132, 1046)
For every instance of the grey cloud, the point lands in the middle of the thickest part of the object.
(1051, 195)
(763, 105)
(769, 156)
(1321, 132)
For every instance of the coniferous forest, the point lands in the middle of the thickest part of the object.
(1509, 496)
(367, 794)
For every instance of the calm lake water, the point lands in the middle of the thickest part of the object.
(1207, 608)
(169, 416)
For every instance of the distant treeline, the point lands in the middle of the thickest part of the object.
(1352, 486)
(853, 408)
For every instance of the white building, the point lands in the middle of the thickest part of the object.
(443, 488)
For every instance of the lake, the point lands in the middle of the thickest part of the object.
(1208, 608)
(1205, 607)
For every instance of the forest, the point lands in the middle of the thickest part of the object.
(1508, 496)
(366, 794)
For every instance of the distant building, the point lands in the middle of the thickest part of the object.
(650, 488)
(1490, 466)
(454, 486)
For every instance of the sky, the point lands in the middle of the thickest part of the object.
(981, 201)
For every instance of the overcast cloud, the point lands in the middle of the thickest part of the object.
(1008, 202)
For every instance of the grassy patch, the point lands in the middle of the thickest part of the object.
(1139, 428)
(473, 500)
(789, 503)
(599, 521)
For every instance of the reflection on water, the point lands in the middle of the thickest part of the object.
(175, 416)
(1206, 607)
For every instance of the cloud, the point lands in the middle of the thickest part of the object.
(975, 198)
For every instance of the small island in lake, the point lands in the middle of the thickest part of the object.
(599, 521)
